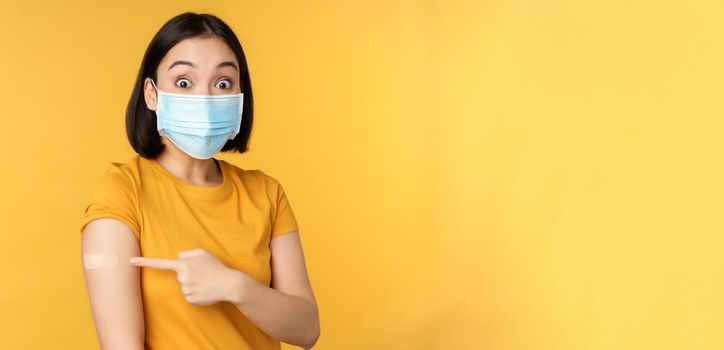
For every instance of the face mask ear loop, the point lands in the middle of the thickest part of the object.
(158, 120)
(154, 85)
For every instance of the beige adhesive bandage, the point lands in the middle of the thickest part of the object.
(100, 261)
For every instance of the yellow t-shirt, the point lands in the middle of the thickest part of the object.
(234, 221)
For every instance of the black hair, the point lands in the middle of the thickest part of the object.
(141, 121)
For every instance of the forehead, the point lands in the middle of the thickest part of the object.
(205, 52)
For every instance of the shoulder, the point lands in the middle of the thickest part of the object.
(120, 176)
(256, 178)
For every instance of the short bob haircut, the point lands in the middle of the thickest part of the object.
(141, 126)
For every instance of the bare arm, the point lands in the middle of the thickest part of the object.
(114, 293)
(288, 310)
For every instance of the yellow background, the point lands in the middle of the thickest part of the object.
(466, 174)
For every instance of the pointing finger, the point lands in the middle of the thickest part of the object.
(156, 263)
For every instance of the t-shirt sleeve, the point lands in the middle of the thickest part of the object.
(113, 197)
(284, 219)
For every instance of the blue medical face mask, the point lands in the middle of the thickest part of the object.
(198, 124)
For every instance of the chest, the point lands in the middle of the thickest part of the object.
(235, 229)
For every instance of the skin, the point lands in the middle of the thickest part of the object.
(286, 311)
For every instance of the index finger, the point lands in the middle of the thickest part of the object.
(156, 263)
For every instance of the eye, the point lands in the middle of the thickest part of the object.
(224, 84)
(183, 83)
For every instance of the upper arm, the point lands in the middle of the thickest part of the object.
(289, 270)
(115, 293)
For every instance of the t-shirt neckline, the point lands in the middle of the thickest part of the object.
(196, 190)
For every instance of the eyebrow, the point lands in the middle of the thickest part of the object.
(221, 65)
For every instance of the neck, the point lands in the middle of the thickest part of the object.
(200, 172)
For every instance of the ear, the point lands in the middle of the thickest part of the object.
(149, 94)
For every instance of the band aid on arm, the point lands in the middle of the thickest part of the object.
(100, 261)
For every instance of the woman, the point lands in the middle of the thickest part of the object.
(182, 250)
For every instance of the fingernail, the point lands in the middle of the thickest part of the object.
(133, 261)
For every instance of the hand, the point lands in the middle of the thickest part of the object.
(204, 279)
